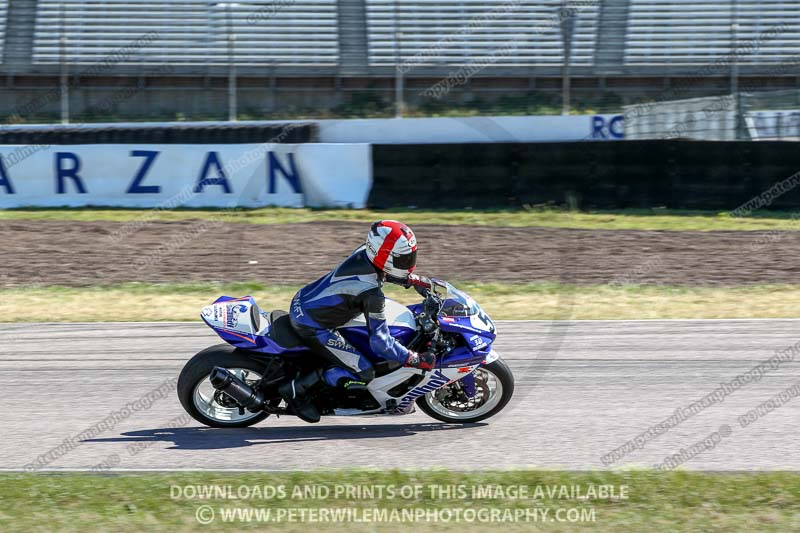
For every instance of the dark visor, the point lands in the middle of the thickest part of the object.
(405, 261)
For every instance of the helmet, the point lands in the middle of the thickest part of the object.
(392, 248)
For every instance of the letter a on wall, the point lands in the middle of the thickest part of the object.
(203, 180)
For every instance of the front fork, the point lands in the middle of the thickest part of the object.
(468, 381)
(468, 385)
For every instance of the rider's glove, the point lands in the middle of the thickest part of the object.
(414, 280)
(421, 284)
(423, 361)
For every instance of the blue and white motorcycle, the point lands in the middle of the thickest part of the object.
(236, 384)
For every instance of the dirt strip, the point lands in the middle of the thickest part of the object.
(92, 253)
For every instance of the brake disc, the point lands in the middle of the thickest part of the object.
(455, 399)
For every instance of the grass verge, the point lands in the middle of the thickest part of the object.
(641, 501)
(631, 219)
(143, 302)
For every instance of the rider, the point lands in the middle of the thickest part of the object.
(351, 289)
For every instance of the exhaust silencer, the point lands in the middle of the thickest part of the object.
(223, 380)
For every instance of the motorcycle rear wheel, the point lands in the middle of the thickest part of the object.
(197, 396)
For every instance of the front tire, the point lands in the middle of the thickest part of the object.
(203, 402)
(495, 384)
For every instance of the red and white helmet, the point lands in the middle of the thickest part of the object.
(392, 247)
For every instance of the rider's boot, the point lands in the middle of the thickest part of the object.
(296, 395)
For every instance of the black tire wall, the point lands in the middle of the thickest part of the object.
(674, 174)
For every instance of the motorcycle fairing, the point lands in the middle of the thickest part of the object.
(463, 356)
(404, 403)
(478, 335)
(241, 323)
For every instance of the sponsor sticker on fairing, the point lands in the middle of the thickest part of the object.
(436, 381)
(477, 342)
(232, 313)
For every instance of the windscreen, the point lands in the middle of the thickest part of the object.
(459, 303)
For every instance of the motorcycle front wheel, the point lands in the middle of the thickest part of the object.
(494, 384)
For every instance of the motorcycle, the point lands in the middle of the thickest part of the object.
(236, 384)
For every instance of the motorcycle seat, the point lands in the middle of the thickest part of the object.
(281, 330)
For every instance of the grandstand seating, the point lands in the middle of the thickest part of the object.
(3, 19)
(189, 32)
(700, 31)
(646, 34)
(457, 32)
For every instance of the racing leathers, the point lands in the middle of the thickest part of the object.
(351, 289)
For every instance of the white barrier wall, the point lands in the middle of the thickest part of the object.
(530, 128)
(186, 175)
(473, 129)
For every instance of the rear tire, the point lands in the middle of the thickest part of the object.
(500, 371)
(197, 370)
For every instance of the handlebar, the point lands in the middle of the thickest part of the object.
(427, 288)
(430, 310)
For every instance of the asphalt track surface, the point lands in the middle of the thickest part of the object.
(583, 389)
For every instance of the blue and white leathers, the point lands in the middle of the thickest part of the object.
(352, 289)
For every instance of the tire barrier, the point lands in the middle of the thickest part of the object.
(629, 174)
